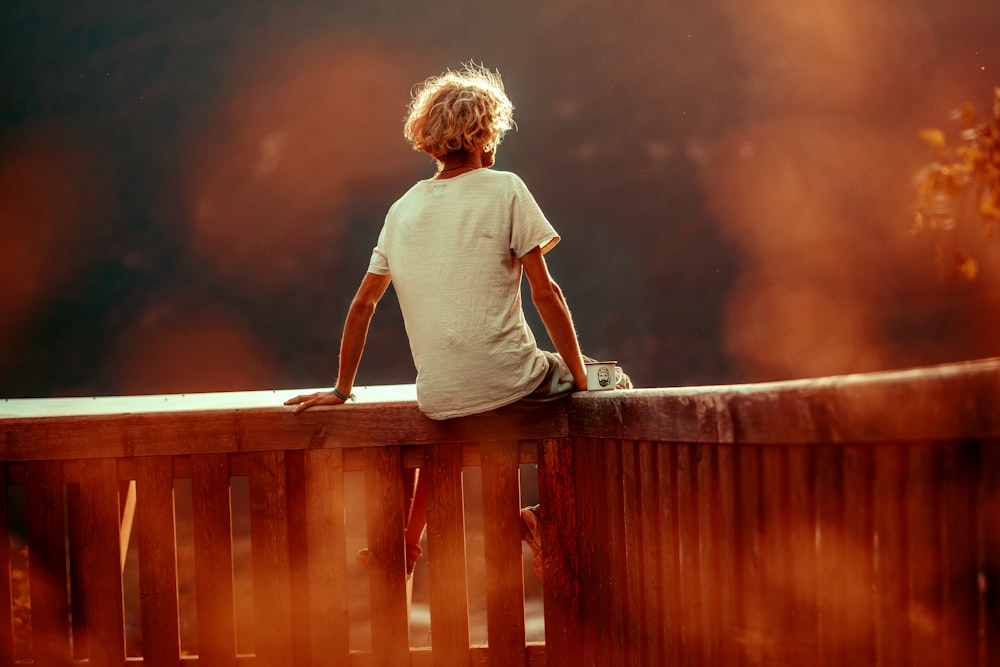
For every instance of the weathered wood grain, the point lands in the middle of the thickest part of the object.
(156, 542)
(449, 598)
(502, 542)
(213, 559)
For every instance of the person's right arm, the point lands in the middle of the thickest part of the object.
(352, 344)
(551, 305)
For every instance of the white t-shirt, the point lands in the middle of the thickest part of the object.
(453, 249)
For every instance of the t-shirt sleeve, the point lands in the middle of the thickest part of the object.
(379, 263)
(529, 227)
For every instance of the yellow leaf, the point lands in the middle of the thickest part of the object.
(934, 137)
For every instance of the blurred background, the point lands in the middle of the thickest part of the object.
(189, 192)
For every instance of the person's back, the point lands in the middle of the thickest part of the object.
(453, 248)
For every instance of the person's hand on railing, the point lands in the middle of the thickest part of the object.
(306, 401)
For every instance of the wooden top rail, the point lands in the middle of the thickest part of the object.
(950, 401)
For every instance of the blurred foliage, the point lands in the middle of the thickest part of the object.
(962, 182)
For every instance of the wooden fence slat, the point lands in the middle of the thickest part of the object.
(326, 556)
(101, 554)
(615, 562)
(77, 574)
(591, 602)
(270, 558)
(387, 561)
(502, 544)
(801, 552)
(989, 567)
(859, 523)
(157, 549)
(6, 594)
(776, 559)
(707, 559)
(46, 534)
(650, 490)
(213, 558)
(728, 594)
(690, 589)
(892, 571)
(923, 526)
(833, 558)
(670, 565)
(960, 466)
(559, 555)
(752, 635)
(298, 560)
(635, 550)
(449, 599)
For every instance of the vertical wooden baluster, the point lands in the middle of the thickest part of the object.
(327, 549)
(387, 562)
(213, 557)
(778, 643)
(924, 550)
(590, 542)
(859, 523)
(989, 566)
(892, 564)
(751, 636)
(6, 597)
(667, 513)
(633, 506)
(728, 595)
(270, 558)
(960, 466)
(650, 491)
(833, 558)
(157, 549)
(502, 542)
(298, 559)
(707, 489)
(101, 553)
(560, 533)
(691, 651)
(800, 549)
(449, 596)
(46, 534)
(615, 562)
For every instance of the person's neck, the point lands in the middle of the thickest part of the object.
(456, 165)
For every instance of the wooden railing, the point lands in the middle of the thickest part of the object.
(849, 520)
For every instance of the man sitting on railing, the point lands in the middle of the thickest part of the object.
(455, 247)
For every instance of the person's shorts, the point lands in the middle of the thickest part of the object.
(557, 383)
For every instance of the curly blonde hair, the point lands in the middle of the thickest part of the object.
(459, 111)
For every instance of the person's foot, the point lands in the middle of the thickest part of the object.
(531, 532)
(413, 552)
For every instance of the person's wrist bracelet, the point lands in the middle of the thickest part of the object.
(349, 397)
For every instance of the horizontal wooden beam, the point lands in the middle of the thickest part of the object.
(946, 402)
(951, 401)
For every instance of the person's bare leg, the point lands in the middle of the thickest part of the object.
(417, 521)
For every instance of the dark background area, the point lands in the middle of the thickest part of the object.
(189, 193)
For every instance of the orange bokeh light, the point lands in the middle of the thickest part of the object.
(274, 175)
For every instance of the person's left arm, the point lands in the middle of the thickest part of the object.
(551, 305)
(352, 343)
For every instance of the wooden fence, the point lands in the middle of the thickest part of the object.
(849, 520)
